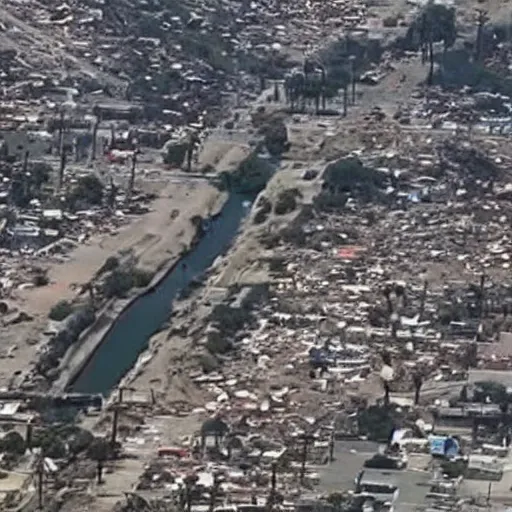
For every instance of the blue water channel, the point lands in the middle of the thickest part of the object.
(130, 334)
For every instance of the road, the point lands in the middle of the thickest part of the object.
(349, 459)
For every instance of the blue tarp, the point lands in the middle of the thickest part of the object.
(444, 446)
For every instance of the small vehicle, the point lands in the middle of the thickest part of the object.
(383, 461)
(378, 486)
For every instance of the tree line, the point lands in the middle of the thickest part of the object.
(315, 85)
(436, 23)
(318, 82)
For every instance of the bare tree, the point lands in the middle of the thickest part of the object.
(99, 451)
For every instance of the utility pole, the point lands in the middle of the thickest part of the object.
(331, 446)
(482, 19)
(306, 440)
(395, 323)
(423, 299)
(61, 131)
(115, 421)
(273, 484)
(509, 30)
(276, 91)
(95, 127)
(213, 492)
(352, 60)
(262, 83)
(40, 475)
(25, 161)
(28, 436)
(273, 479)
(99, 471)
(92, 297)
(77, 149)
(389, 303)
(435, 417)
(132, 176)
(62, 167)
(190, 480)
(323, 81)
(190, 152)
(474, 432)
(24, 175)
(62, 151)
(482, 296)
(112, 193)
(345, 100)
(417, 379)
(112, 136)
(386, 393)
(237, 84)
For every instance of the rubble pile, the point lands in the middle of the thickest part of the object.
(257, 425)
(177, 60)
(81, 65)
(386, 295)
(392, 282)
(36, 229)
(349, 292)
(475, 111)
